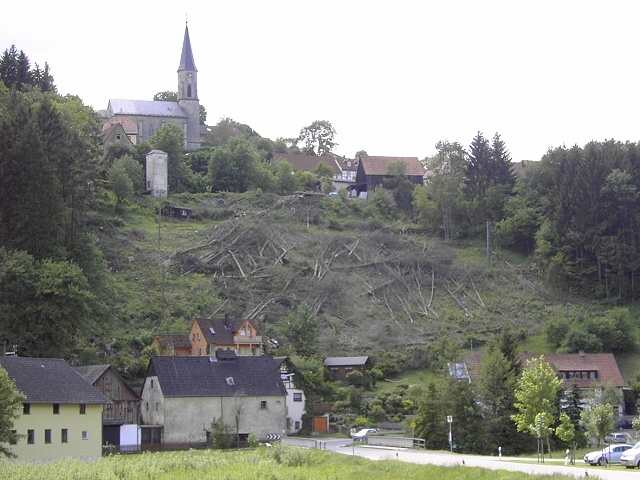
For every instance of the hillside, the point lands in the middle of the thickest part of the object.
(374, 284)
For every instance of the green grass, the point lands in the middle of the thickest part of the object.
(412, 377)
(267, 464)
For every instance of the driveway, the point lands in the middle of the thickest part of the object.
(343, 446)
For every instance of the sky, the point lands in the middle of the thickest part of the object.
(393, 77)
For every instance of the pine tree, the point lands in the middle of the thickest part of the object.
(501, 165)
(431, 420)
(9, 66)
(478, 174)
(23, 66)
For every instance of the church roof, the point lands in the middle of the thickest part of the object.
(149, 108)
(186, 59)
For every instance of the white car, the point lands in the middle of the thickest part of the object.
(610, 454)
(363, 433)
(631, 458)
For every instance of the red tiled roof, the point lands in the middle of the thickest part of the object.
(380, 165)
(604, 363)
(130, 126)
(307, 162)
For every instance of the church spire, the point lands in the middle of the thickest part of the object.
(186, 59)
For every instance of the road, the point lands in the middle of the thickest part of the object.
(343, 446)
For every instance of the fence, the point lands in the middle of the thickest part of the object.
(400, 442)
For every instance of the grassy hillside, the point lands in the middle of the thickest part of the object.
(274, 464)
(375, 283)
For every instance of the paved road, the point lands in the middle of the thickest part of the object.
(344, 446)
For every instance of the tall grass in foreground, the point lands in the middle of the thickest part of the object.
(280, 463)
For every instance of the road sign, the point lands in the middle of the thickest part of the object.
(273, 437)
(449, 419)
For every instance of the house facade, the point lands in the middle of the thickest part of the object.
(62, 413)
(172, 345)
(340, 367)
(124, 404)
(183, 396)
(296, 400)
(373, 170)
(222, 333)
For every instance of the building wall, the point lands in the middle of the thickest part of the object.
(124, 405)
(151, 405)
(198, 340)
(42, 417)
(157, 173)
(295, 410)
(148, 126)
(187, 419)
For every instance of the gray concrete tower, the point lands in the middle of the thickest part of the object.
(188, 93)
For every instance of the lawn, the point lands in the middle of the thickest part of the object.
(411, 377)
(267, 464)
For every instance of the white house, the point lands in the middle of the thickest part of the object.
(296, 400)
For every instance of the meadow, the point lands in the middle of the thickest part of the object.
(278, 463)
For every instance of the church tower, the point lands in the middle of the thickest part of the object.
(188, 93)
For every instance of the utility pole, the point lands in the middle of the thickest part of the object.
(488, 243)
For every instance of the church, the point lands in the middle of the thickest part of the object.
(139, 120)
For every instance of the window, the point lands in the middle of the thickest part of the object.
(85, 435)
(146, 406)
(230, 381)
(296, 426)
(64, 435)
(157, 406)
(189, 91)
(297, 396)
(47, 436)
(83, 409)
(118, 137)
(56, 408)
(26, 408)
(13, 440)
(263, 404)
(152, 383)
(31, 437)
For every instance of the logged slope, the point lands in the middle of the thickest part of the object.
(374, 285)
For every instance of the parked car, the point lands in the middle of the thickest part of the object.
(362, 433)
(610, 454)
(618, 437)
(631, 458)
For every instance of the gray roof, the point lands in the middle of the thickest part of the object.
(148, 108)
(91, 373)
(345, 361)
(186, 59)
(207, 376)
(219, 330)
(50, 380)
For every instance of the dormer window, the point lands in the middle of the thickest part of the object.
(230, 381)
(212, 331)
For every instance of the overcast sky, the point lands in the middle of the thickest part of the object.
(393, 77)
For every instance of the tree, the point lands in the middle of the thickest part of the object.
(300, 328)
(399, 185)
(536, 393)
(166, 96)
(10, 403)
(232, 167)
(318, 138)
(566, 432)
(44, 305)
(598, 421)
(286, 181)
(430, 421)
(121, 183)
(134, 172)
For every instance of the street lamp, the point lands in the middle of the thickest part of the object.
(450, 421)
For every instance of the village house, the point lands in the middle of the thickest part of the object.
(223, 333)
(62, 413)
(183, 396)
(121, 415)
(296, 400)
(590, 373)
(340, 367)
(172, 345)
(372, 172)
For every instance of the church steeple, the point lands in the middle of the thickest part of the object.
(188, 93)
(186, 59)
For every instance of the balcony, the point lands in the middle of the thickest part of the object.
(240, 340)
